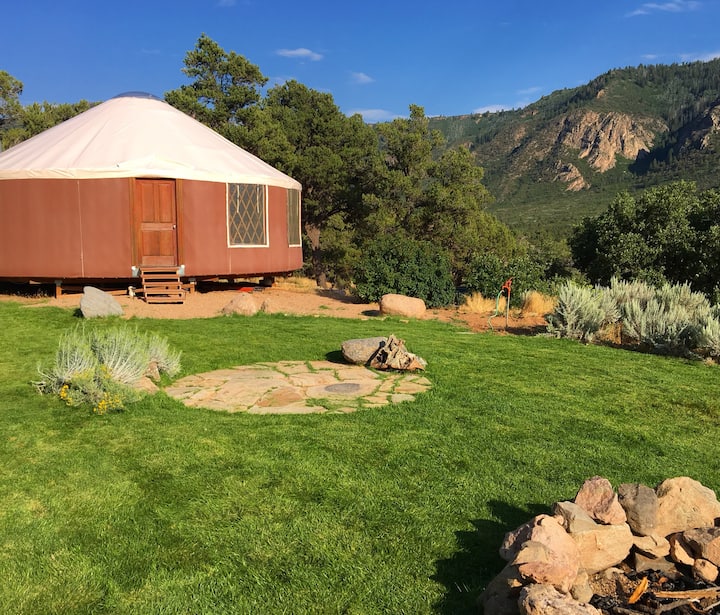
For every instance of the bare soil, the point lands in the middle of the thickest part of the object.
(285, 297)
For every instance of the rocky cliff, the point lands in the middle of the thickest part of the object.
(601, 137)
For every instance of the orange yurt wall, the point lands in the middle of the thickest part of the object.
(65, 228)
(204, 238)
(83, 229)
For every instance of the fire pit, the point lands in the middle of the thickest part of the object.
(635, 551)
(632, 593)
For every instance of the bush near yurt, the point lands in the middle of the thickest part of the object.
(396, 264)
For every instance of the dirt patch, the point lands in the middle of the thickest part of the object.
(284, 298)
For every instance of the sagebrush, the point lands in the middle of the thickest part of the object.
(97, 368)
(668, 319)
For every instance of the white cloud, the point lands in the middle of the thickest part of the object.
(374, 115)
(650, 56)
(532, 90)
(361, 78)
(301, 52)
(700, 57)
(225, 3)
(677, 6)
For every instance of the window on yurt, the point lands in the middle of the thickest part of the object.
(247, 215)
(293, 217)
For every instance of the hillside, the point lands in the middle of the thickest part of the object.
(568, 154)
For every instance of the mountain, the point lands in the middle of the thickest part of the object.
(567, 155)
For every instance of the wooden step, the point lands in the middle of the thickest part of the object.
(162, 285)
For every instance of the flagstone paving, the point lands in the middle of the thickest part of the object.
(296, 387)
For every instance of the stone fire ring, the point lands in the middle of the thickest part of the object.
(296, 387)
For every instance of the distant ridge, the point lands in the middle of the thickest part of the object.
(568, 154)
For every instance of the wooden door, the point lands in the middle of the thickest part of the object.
(155, 212)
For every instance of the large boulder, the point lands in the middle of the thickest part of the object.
(683, 504)
(243, 304)
(382, 353)
(361, 351)
(401, 305)
(96, 303)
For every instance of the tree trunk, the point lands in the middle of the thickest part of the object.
(313, 234)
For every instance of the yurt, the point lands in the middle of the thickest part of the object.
(133, 185)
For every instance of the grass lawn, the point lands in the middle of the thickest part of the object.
(167, 509)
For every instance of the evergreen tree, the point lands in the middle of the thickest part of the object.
(224, 91)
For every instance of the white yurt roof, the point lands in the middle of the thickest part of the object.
(136, 135)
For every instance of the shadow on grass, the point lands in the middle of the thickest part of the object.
(336, 356)
(466, 574)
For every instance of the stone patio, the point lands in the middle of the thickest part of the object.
(296, 387)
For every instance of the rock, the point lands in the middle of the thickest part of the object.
(704, 543)
(543, 552)
(555, 565)
(500, 597)
(243, 304)
(361, 351)
(652, 546)
(581, 589)
(601, 137)
(603, 547)
(96, 303)
(683, 504)
(513, 541)
(570, 174)
(546, 600)
(641, 563)
(145, 385)
(704, 570)
(153, 371)
(680, 551)
(640, 504)
(401, 305)
(382, 353)
(575, 518)
(597, 498)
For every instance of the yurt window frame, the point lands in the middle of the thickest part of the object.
(293, 218)
(247, 215)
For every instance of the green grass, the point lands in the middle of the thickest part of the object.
(167, 509)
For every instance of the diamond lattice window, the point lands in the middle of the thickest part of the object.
(247, 215)
(293, 217)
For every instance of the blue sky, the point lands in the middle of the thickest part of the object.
(375, 57)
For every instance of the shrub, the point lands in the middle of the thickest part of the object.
(159, 353)
(624, 291)
(534, 302)
(487, 273)
(670, 318)
(581, 312)
(709, 341)
(395, 264)
(96, 368)
(475, 303)
(122, 352)
(664, 327)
